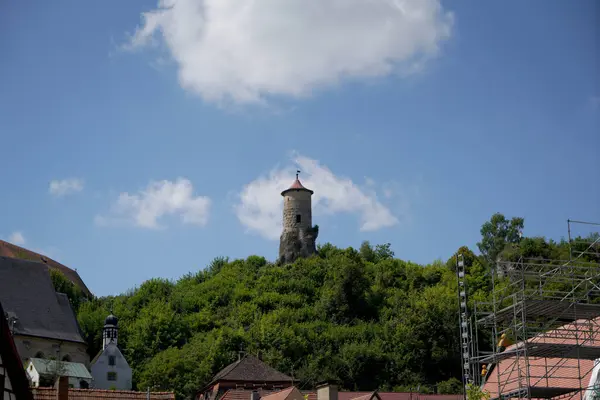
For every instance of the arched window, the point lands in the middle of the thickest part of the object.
(67, 358)
(39, 354)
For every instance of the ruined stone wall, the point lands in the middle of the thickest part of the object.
(297, 202)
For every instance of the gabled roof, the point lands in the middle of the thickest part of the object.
(28, 296)
(11, 362)
(11, 250)
(112, 350)
(249, 369)
(62, 368)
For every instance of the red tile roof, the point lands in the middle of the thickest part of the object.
(367, 396)
(13, 251)
(551, 373)
(244, 394)
(94, 394)
(399, 396)
(280, 395)
(297, 185)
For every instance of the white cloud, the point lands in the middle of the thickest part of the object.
(64, 187)
(260, 204)
(244, 50)
(17, 238)
(158, 199)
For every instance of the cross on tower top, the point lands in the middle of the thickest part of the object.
(297, 173)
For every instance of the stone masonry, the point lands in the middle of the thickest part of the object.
(298, 238)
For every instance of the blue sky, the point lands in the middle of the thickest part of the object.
(138, 147)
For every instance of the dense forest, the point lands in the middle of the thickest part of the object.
(361, 317)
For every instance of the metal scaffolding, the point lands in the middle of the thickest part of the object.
(550, 310)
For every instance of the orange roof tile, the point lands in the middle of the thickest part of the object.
(95, 394)
(550, 373)
(297, 185)
(280, 395)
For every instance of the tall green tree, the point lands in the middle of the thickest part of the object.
(497, 233)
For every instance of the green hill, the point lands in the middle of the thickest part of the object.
(362, 317)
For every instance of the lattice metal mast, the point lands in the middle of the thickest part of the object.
(464, 320)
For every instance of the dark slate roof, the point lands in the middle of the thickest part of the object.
(250, 369)
(11, 250)
(27, 293)
(12, 362)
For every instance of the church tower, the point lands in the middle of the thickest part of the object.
(299, 235)
(110, 331)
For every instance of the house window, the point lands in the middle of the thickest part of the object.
(111, 360)
(83, 384)
(39, 354)
(298, 218)
(67, 358)
(111, 376)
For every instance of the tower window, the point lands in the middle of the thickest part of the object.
(298, 218)
(111, 376)
(111, 360)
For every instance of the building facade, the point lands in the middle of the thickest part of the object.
(110, 369)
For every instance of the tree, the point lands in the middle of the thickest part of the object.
(497, 233)
(360, 317)
(63, 285)
(450, 386)
(475, 392)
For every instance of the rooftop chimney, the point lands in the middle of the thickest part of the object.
(327, 391)
(62, 388)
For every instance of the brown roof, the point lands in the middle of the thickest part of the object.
(93, 394)
(12, 362)
(244, 394)
(549, 374)
(297, 185)
(252, 370)
(11, 250)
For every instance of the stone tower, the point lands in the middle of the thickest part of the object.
(299, 235)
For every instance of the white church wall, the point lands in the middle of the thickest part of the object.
(121, 371)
